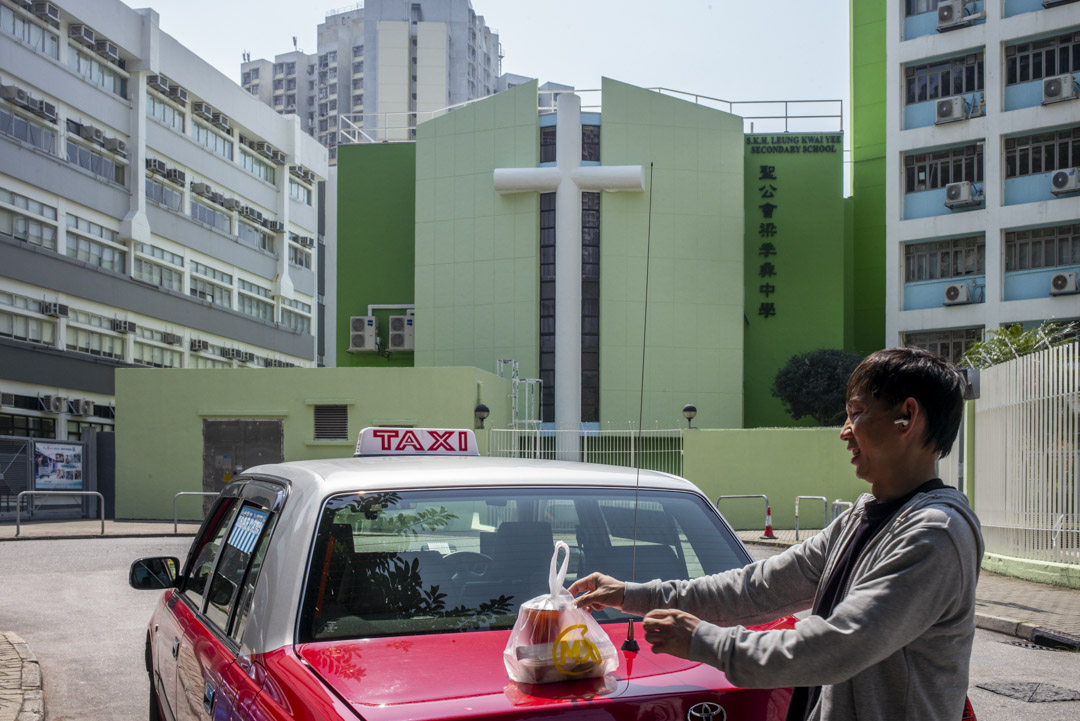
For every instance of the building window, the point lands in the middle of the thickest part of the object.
(256, 167)
(96, 72)
(358, 101)
(590, 306)
(590, 142)
(164, 194)
(290, 69)
(1042, 152)
(254, 73)
(299, 257)
(159, 275)
(209, 292)
(245, 78)
(100, 165)
(209, 139)
(279, 68)
(28, 131)
(31, 330)
(926, 171)
(358, 67)
(331, 57)
(279, 100)
(210, 216)
(82, 340)
(953, 258)
(254, 89)
(254, 307)
(358, 51)
(295, 321)
(1042, 58)
(27, 426)
(547, 305)
(27, 229)
(949, 344)
(250, 235)
(918, 7)
(156, 356)
(299, 193)
(331, 423)
(30, 33)
(944, 79)
(279, 84)
(95, 253)
(547, 144)
(1042, 248)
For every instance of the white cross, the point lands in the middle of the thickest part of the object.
(568, 179)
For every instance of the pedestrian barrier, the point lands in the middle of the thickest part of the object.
(824, 501)
(839, 507)
(18, 503)
(176, 497)
(768, 510)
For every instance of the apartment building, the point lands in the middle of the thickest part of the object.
(982, 168)
(152, 213)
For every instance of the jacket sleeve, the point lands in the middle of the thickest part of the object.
(757, 593)
(889, 606)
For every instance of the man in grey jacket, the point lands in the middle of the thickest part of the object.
(891, 582)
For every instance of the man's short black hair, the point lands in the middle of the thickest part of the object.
(895, 374)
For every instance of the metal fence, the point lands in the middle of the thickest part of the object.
(1027, 456)
(656, 450)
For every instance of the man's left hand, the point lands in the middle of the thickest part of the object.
(669, 631)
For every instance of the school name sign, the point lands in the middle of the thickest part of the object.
(795, 144)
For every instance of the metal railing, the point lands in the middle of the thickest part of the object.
(18, 504)
(656, 450)
(838, 504)
(824, 502)
(752, 495)
(175, 518)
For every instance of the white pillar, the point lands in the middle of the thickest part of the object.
(568, 276)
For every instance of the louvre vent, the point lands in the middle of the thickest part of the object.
(331, 423)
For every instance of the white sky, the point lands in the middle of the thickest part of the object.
(729, 49)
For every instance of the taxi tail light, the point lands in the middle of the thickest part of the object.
(969, 713)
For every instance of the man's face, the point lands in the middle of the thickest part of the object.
(872, 437)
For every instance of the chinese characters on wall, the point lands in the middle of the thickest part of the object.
(767, 231)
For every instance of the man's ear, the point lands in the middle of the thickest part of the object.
(910, 411)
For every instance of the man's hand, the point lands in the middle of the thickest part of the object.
(669, 631)
(600, 591)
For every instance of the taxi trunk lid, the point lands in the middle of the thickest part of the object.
(461, 676)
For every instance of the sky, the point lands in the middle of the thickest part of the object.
(733, 50)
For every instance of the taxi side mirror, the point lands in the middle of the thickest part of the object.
(148, 574)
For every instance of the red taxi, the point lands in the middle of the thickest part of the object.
(385, 586)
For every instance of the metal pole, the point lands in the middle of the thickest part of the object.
(18, 504)
(177, 496)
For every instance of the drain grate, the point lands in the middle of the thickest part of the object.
(1033, 646)
(1032, 691)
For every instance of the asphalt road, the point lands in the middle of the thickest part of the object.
(71, 602)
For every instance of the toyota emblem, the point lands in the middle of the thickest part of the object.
(707, 711)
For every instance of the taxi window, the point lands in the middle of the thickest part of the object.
(246, 531)
(195, 586)
(247, 590)
(445, 561)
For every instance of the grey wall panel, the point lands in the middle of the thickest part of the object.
(304, 215)
(224, 176)
(44, 268)
(196, 236)
(54, 175)
(48, 367)
(303, 279)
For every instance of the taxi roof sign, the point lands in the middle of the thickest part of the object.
(416, 442)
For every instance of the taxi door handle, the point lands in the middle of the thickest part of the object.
(175, 647)
(208, 699)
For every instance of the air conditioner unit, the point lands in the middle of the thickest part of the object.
(85, 407)
(89, 132)
(279, 156)
(176, 175)
(221, 121)
(197, 345)
(275, 225)
(957, 294)
(218, 198)
(15, 94)
(54, 404)
(1058, 88)
(55, 310)
(1065, 181)
(229, 352)
(108, 50)
(46, 110)
(202, 189)
(159, 83)
(363, 332)
(958, 195)
(306, 241)
(248, 212)
(401, 332)
(203, 110)
(172, 338)
(232, 204)
(1064, 284)
(950, 110)
(82, 35)
(1055, 3)
(154, 165)
(264, 149)
(297, 170)
(123, 326)
(47, 12)
(178, 94)
(950, 15)
(116, 145)
(245, 356)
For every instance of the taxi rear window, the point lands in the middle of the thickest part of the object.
(417, 562)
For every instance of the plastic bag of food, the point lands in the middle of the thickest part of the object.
(553, 640)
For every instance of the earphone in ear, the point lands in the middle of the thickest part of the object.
(902, 422)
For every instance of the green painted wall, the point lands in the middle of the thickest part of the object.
(868, 65)
(159, 449)
(376, 199)
(477, 297)
(780, 463)
(694, 345)
(798, 263)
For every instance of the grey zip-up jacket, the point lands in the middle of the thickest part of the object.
(896, 646)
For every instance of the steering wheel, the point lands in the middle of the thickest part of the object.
(468, 564)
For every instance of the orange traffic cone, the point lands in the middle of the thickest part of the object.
(768, 524)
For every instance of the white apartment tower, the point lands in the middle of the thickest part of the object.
(152, 214)
(379, 67)
(982, 168)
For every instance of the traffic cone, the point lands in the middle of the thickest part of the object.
(768, 524)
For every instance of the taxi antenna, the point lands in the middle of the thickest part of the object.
(630, 644)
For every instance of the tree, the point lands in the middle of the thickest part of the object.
(813, 384)
(1013, 342)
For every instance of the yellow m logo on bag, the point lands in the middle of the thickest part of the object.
(573, 653)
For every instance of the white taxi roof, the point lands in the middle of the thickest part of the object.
(272, 624)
